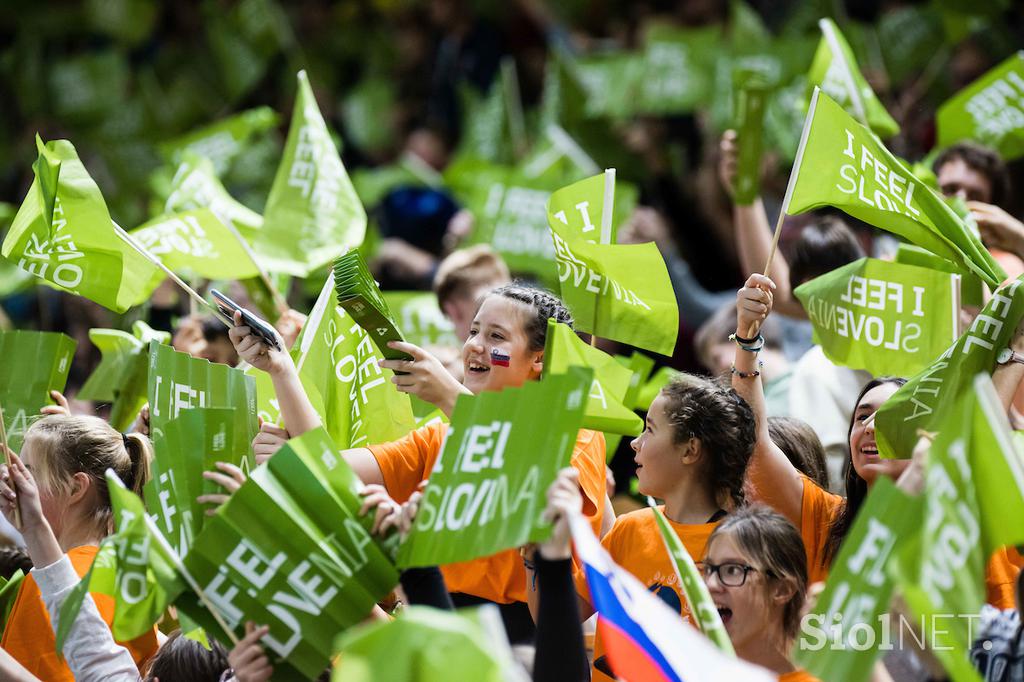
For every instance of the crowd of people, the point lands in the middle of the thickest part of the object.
(760, 451)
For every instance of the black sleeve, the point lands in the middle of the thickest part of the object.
(425, 587)
(561, 655)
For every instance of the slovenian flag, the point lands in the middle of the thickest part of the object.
(499, 359)
(644, 640)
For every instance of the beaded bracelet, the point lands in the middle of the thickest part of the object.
(750, 345)
(748, 375)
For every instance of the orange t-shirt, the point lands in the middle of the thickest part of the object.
(635, 543)
(29, 636)
(820, 508)
(798, 676)
(500, 578)
(817, 512)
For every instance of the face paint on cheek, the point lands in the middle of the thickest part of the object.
(499, 358)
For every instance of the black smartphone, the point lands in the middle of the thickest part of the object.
(259, 327)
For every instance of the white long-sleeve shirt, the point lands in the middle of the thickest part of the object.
(89, 649)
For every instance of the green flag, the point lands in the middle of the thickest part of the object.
(841, 638)
(195, 185)
(487, 489)
(177, 382)
(605, 410)
(289, 550)
(751, 98)
(336, 357)
(429, 645)
(420, 318)
(34, 363)
(9, 588)
(132, 566)
(485, 133)
(910, 37)
(989, 110)
(620, 292)
(120, 378)
(924, 402)
(835, 71)
(77, 247)
(611, 80)
(975, 483)
(313, 214)
(361, 298)
(841, 163)
(197, 243)
(971, 288)
(222, 141)
(640, 367)
(701, 606)
(678, 65)
(884, 317)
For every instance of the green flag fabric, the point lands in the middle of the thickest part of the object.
(430, 645)
(841, 638)
(605, 410)
(750, 102)
(971, 288)
(197, 243)
(835, 71)
(975, 483)
(884, 317)
(63, 234)
(336, 357)
(312, 213)
(120, 378)
(34, 363)
(487, 490)
(289, 550)
(9, 588)
(841, 163)
(177, 382)
(990, 110)
(132, 566)
(221, 142)
(420, 319)
(701, 606)
(359, 295)
(611, 80)
(195, 185)
(677, 68)
(924, 402)
(618, 291)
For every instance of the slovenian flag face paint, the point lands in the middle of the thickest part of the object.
(499, 359)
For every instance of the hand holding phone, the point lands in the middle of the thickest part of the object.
(259, 327)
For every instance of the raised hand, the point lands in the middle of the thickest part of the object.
(247, 659)
(254, 351)
(61, 407)
(376, 498)
(229, 477)
(268, 441)
(424, 377)
(564, 499)
(753, 304)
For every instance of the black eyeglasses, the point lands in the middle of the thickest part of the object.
(729, 574)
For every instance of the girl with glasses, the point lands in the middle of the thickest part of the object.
(756, 573)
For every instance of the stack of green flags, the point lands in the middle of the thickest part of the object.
(121, 376)
(34, 363)
(502, 451)
(360, 296)
(289, 550)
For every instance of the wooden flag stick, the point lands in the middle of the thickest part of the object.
(180, 566)
(128, 239)
(4, 448)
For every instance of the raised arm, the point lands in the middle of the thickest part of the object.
(776, 481)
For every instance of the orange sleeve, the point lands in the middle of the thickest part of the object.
(819, 509)
(588, 458)
(610, 542)
(407, 461)
(1001, 578)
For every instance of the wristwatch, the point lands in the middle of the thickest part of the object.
(1007, 355)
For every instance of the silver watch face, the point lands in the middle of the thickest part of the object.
(1004, 356)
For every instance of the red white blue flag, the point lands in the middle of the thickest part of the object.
(644, 640)
(499, 359)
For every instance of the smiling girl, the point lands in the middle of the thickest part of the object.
(824, 519)
(504, 349)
